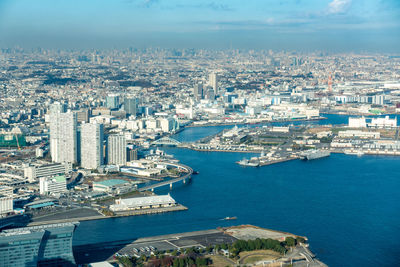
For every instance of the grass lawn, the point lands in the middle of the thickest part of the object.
(220, 261)
(247, 257)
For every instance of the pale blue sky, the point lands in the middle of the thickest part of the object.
(288, 24)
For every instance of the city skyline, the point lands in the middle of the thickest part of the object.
(332, 25)
(181, 132)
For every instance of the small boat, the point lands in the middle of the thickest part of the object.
(230, 218)
(196, 172)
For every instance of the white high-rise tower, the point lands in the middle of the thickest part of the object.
(92, 145)
(213, 81)
(63, 136)
(116, 148)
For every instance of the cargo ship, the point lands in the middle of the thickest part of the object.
(314, 154)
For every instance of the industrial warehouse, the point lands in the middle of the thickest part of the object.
(141, 203)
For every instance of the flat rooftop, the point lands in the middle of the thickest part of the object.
(111, 182)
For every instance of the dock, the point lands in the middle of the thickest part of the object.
(277, 161)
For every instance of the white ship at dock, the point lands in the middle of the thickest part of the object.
(314, 154)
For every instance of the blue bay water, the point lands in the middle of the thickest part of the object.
(348, 206)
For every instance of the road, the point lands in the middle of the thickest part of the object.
(182, 178)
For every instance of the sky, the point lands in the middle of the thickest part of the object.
(304, 25)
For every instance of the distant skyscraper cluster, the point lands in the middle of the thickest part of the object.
(85, 144)
(209, 91)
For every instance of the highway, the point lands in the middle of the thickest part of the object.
(170, 182)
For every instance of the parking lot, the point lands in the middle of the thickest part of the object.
(147, 246)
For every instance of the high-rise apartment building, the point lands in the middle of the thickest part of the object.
(63, 136)
(213, 81)
(57, 107)
(116, 149)
(92, 138)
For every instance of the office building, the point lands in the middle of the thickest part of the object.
(112, 101)
(63, 137)
(210, 93)
(132, 154)
(130, 106)
(357, 122)
(34, 172)
(82, 115)
(378, 99)
(116, 150)
(53, 185)
(167, 124)
(92, 155)
(385, 122)
(198, 91)
(45, 245)
(6, 200)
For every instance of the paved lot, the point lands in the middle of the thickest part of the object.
(100, 252)
(247, 233)
(68, 214)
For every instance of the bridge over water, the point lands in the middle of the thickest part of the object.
(167, 141)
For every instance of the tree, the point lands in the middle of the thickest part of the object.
(300, 239)
(290, 241)
(125, 261)
(200, 261)
(174, 253)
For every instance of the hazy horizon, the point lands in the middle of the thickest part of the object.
(328, 25)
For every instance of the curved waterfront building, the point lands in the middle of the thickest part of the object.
(45, 245)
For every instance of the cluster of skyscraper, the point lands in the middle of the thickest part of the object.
(83, 144)
(209, 91)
